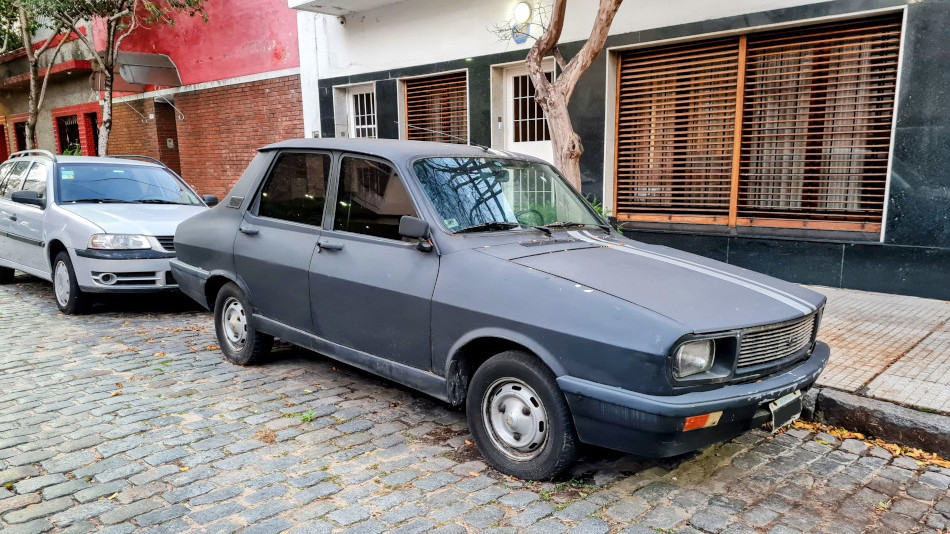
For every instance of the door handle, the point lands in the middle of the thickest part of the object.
(326, 245)
(248, 230)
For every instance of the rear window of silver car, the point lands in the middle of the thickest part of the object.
(136, 184)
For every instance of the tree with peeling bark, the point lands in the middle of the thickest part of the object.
(26, 23)
(120, 18)
(554, 96)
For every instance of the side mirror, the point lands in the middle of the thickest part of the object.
(614, 223)
(416, 228)
(413, 227)
(29, 197)
(210, 200)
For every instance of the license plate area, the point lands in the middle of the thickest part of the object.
(785, 410)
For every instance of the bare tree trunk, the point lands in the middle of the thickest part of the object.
(106, 128)
(34, 108)
(554, 97)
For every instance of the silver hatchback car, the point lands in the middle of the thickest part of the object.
(92, 224)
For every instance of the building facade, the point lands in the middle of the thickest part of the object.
(808, 140)
(237, 88)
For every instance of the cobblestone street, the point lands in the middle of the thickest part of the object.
(130, 420)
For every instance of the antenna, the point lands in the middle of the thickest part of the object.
(450, 136)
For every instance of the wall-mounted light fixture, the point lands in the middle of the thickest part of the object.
(522, 13)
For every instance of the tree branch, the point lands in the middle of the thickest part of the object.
(52, 61)
(591, 49)
(85, 40)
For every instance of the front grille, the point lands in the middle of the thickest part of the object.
(774, 342)
(167, 242)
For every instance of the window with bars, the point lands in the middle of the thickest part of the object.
(362, 102)
(785, 128)
(437, 108)
(528, 118)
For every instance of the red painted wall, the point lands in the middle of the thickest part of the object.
(241, 37)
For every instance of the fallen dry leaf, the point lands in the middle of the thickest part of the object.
(211, 347)
(921, 457)
(115, 393)
(159, 354)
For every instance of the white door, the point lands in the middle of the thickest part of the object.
(361, 109)
(526, 129)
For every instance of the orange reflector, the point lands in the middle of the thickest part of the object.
(702, 421)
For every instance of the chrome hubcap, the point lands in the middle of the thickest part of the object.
(61, 284)
(234, 323)
(516, 420)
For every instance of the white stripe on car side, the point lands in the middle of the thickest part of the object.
(733, 275)
(748, 284)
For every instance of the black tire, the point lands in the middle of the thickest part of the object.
(530, 455)
(239, 340)
(6, 275)
(69, 297)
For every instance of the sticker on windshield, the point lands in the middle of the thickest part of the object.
(67, 175)
(451, 223)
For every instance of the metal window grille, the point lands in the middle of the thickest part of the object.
(363, 114)
(528, 118)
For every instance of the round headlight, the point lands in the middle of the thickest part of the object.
(693, 358)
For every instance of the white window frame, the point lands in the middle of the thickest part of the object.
(351, 112)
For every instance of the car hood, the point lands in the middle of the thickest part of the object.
(703, 295)
(145, 219)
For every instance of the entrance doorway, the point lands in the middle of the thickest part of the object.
(525, 127)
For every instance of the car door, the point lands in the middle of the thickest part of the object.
(276, 239)
(29, 245)
(11, 239)
(370, 290)
(5, 212)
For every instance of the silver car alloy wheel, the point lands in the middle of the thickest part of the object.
(516, 420)
(234, 323)
(62, 286)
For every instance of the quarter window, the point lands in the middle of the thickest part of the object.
(371, 199)
(14, 181)
(296, 189)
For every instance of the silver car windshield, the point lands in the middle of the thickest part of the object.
(488, 194)
(103, 182)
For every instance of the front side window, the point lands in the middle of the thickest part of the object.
(133, 184)
(470, 193)
(14, 181)
(296, 189)
(36, 179)
(371, 199)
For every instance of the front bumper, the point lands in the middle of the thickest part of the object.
(652, 425)
(133, 271)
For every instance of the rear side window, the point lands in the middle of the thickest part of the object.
(36, 179)
(296, 189)
(4, 171)
(371, 199)
(14, 181)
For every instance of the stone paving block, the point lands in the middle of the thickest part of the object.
(38, 510)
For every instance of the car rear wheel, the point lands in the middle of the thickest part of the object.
(519, 418)
(240, 342)
(69, 298)
(6, 275)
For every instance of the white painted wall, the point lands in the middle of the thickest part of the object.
(414, 32)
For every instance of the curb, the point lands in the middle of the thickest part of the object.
(881, 419)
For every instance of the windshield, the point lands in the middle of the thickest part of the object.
(500, 194)
(104, 182)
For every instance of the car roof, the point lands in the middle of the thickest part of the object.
(394, 149)
(88, 159)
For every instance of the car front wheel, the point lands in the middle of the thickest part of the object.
(240, 342)
(70, 299)
(519, 418)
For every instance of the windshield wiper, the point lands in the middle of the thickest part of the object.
(543, 227)
(489, 226)
(96, 200)
(155, 201)
(604, 227)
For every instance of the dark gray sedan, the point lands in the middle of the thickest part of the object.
(482, 278)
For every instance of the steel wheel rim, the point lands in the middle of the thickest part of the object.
(516, 420)
(234, 323)
(61, 283)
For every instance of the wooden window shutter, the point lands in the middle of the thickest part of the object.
(437, 108)
(817, 123)
(786, 128)
(675, 131)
